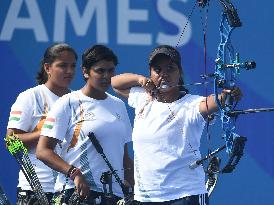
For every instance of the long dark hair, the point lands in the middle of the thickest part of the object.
(95, 54)
(51, 54)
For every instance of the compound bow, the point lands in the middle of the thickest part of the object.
(17, 149)
(227, 67)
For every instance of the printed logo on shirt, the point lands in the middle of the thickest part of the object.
(118, 116)
(15, 115)
(89, 116)
(171, 116)
(49, 122)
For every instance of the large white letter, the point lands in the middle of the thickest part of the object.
(34, 21)
(125, 15)
(178, 19)
(81, 23)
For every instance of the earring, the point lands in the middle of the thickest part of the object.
(49, 75)
(86, 75)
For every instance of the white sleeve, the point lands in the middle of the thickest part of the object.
(58, 119)
(22, 112)
(128, 136)
(196, 115)
(137, 97)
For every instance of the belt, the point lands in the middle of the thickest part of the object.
(29, 192)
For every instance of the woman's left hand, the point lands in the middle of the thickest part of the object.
(235, 93)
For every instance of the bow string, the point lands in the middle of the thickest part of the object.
(227, 68)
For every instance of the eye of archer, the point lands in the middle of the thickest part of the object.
(157, 69)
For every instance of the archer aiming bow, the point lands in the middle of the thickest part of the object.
(17, 149)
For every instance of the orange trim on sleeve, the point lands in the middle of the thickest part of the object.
(77, 129)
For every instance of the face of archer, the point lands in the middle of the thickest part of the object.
(62, 70)
(100, 74)
(165, 73)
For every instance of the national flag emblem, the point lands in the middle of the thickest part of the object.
(15, 115)
(49, 122)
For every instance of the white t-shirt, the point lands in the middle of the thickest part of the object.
(166, 140)
(72, 119)
(29, 108)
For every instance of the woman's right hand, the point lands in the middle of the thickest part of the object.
(81, 186)
(147, 84)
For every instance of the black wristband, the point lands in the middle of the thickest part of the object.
(70, 170)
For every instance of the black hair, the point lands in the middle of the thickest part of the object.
(51, 54)
(166, 51)
(95, 54)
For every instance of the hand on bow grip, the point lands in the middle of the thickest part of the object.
(229, 96)
(81, 186)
